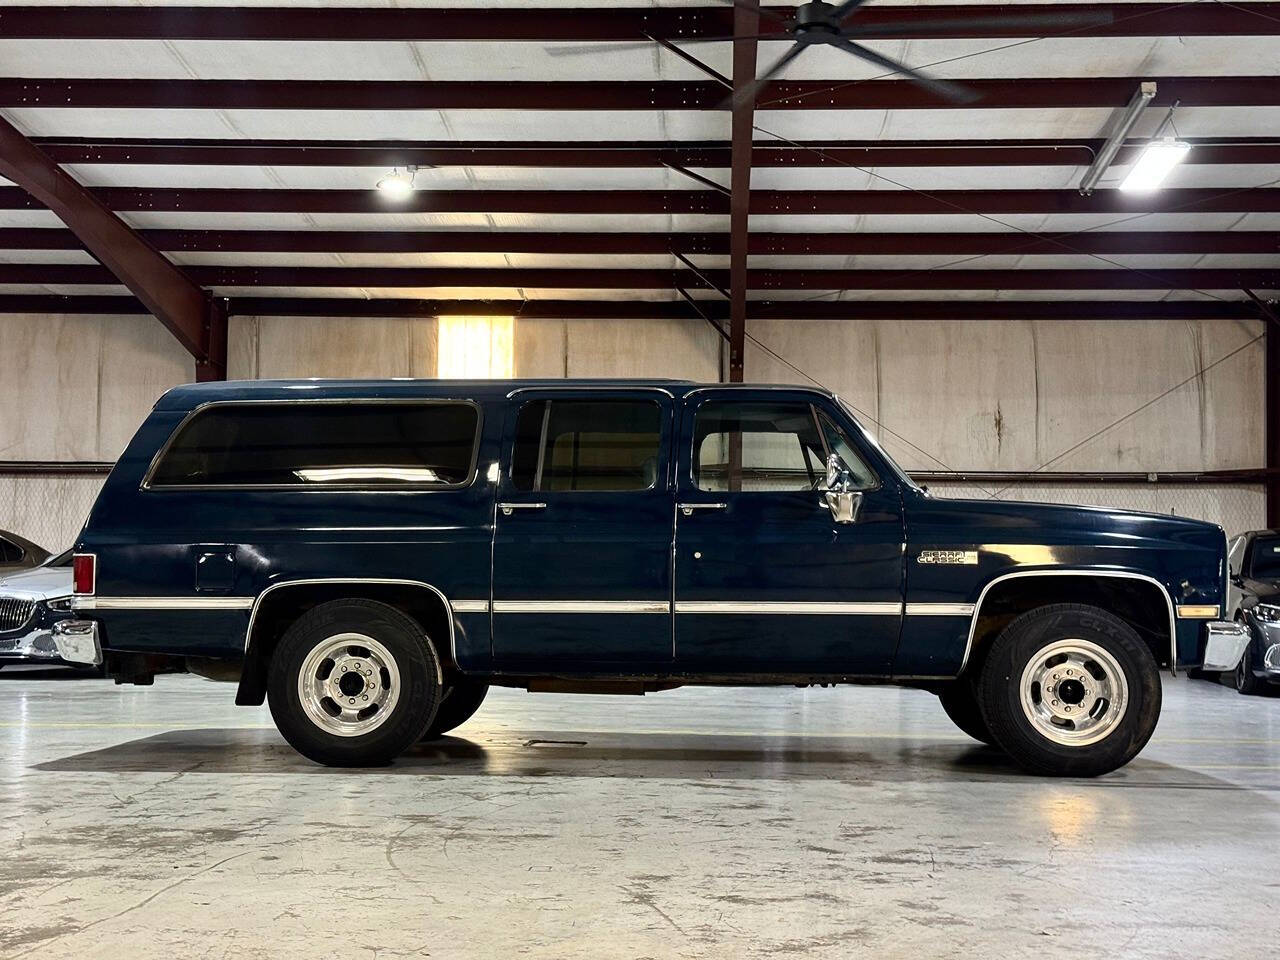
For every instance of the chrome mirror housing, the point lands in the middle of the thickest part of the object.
(844, 505)
(843, 502)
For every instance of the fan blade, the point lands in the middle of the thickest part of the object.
(1033, 23)
(749, 93)
(943, 88)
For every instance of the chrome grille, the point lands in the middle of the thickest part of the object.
(15, 613)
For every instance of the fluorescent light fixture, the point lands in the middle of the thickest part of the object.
(1156, 161)
(398, 185)
(1120, 130)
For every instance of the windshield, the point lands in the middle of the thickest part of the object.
(1265, 564)
(867, 435)
(61, 560)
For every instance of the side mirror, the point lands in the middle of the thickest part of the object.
(845, 505)
(843, 502)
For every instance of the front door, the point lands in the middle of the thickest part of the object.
(582, 541)
(766, 580)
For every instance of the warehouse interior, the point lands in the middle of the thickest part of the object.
(603, 189)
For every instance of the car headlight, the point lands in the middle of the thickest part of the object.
(1267, 613)
(64, 603)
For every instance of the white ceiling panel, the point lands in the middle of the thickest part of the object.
(45, 256)
(506, 60)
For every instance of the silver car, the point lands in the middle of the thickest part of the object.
(17, 553)
(31, 602)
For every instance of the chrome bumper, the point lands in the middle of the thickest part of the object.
(1225, 643)
(77, 641)
(36, 645)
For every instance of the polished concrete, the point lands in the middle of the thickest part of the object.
(164, 822)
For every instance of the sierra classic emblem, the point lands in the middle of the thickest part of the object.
(967, 557)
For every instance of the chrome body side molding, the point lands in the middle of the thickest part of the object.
(720, 606)
(161, 603)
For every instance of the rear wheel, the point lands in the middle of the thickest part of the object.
(961, 704)
(353, 683)
(462, 698)
(1070, 690)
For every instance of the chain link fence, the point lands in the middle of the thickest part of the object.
(47, 508)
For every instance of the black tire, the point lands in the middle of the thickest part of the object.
(1104, 637)
(1246, 682)
(961, 705)
(462, 698)
(411, 654)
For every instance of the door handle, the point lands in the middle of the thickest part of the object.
(508, 508)
(688, 508)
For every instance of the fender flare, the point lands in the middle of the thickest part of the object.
(1076, 572)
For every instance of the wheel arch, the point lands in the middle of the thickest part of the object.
(284, 601)
(1139, 599)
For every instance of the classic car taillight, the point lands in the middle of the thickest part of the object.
(84, 572)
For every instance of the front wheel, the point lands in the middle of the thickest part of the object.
(353, 683)
(1246, 682)
(1070, 690)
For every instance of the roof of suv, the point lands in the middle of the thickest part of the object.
(194, 394)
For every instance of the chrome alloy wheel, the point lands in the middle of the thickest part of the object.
(349, 684)
(1073, 692)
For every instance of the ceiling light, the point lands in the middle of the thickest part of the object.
(1157, 159)
(398, 185)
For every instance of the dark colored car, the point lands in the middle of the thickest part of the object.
(17, 553)
(1253, 598)
(31, 602)
(370, 556)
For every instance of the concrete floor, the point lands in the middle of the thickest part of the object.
(165, 822)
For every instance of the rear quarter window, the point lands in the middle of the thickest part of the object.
(320, 444)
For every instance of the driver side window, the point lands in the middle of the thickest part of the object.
(766, 447)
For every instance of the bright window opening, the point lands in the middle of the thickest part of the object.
(475, 348)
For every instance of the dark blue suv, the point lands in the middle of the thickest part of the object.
(371, 556)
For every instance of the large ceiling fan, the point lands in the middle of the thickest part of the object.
(819, 23)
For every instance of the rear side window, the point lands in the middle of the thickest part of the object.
(587, 445)
(360, 444)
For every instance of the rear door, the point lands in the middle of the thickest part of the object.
(582, 543)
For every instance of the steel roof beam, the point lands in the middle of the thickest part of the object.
(663, 279)
(669, 309)
(779, 244)
(551, 24)
(196, 320)
(1042, 93)
(610, 154)
(794, 202)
